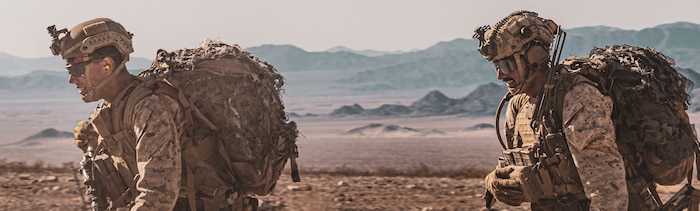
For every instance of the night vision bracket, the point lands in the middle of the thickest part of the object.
(56, 42)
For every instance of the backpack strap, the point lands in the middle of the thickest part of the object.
(564, 83)
(191, 145)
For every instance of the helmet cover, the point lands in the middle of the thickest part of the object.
(514, 34)
(86, 37)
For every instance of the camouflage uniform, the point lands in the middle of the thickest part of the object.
(156, 153)
(590, 133)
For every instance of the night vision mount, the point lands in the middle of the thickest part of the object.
(56, 42)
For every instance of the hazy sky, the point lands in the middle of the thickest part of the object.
(314, 25)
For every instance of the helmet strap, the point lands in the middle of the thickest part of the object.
(524, 72)
(91, 90)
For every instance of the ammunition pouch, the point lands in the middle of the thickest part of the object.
(518, 157)
(107, 179)
(548, 178)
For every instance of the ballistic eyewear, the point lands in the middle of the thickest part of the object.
(506, 65)
(78, 69)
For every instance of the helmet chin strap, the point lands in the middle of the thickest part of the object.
(525, 73)
(91, 90)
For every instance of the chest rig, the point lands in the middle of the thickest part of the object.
(115, 160)
(538, 151)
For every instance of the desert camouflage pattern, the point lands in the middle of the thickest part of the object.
(139, 135)
(208, 137)
(654, 133)
(158, 157)
(590, 133)
(236, 110)
(513, 34)
(591, 136)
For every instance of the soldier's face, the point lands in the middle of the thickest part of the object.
(84, 75)
(508, 72)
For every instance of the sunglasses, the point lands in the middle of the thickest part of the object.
(506, 65)
(78, 69)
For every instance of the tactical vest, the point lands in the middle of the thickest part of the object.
(116, 169)
(549, 181)
(115, 162)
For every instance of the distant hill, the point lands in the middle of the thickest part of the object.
(370, 53)
(677, 40)
(37, 80)
(36, 139)
(446, 64)
(482, 101)
(456, 63)
(376, 130)
(15, 66)
(292, 58)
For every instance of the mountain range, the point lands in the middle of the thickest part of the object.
(482, 101)
(447, 64)
(367, 52)
(14, 66)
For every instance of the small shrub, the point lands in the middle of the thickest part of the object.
(420, 170)
(37, 167)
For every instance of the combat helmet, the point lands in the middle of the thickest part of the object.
(86, 37)
(82, 42)
(515, 35)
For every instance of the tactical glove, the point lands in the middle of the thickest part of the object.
(85, 135)
(506, 190)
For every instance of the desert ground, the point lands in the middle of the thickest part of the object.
(326, 147)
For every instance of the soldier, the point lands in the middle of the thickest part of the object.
(139, 131)
(589, 173)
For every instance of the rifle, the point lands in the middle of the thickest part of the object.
(87, 170)
(686, 198)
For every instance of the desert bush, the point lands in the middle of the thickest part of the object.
(421, 170)
(37, 167)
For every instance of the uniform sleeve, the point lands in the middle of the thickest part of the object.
(591, 135)
(158, 155)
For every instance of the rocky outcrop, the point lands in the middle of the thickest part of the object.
(482, 101)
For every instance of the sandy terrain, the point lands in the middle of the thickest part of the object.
(324, 145)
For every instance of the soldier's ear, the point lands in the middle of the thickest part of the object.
(108, 63)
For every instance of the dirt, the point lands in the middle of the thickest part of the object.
(323, 192)
(61, 191)
(41, 191)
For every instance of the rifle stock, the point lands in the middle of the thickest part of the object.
(91, 189)
(686, 198)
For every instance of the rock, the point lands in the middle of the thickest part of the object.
(49, 179)
(348, 110)
(342, 183)
(298, 188)
(293, 188)
(343, 199)
(24, 177)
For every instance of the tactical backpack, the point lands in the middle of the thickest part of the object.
(238, 131)
(653, 130)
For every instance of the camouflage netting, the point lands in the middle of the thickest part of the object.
(240, 96)
(650, 97)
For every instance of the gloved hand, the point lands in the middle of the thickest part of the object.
(85, 135)
(505, 189)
